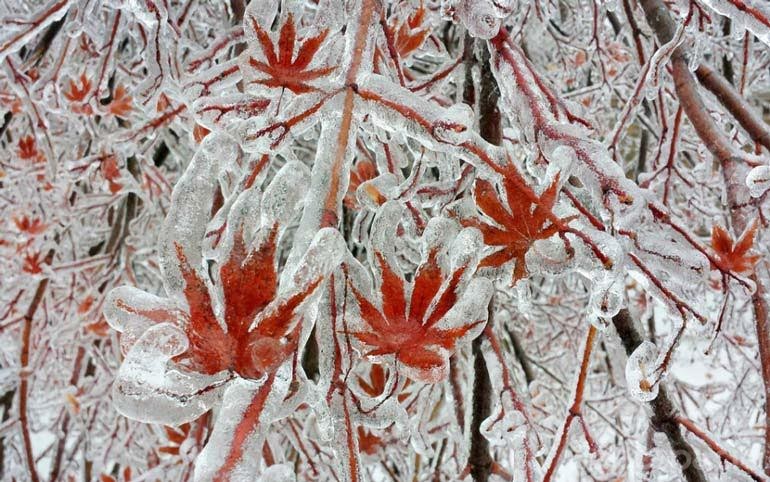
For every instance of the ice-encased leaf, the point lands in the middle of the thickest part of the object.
(190, 211)
(640, 372)
(149, 387)
(132, 311)
(285, 193)
(419, 321)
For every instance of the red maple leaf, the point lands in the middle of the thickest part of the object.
(121, 102)
(525, 219)
(28, 149)
(257, 326)
(78, 93)
(111, 173)
(28, 225)
(176, 436)
(32, 263)
(733, 256)
(409, 36)
(406, 324)
(368, 442)
(249, 283)
(375, 386)
(281, 70)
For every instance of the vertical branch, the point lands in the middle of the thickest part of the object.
(64, 427)
(469, 60)
(687, 90)
(759, 304)
(664, 416)
(521, 356)
(26, 346)
(480, 461)
(6, 403)
(332, 164)
(457, 392)
(490, 128)
(575, 409)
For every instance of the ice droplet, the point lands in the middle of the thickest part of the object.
(640, 378)
(480, 18)
(758, 181)
(607, 296)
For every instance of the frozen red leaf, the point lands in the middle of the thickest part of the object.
(375, 385)
(111, 173)
(734, 256)
(282, 68)
(121, 102)
(368, 442)
(520, 218)
(77, 91)
(28, 149)
(31, 226)
(410, 34)
(408, 322)
(33, 262)
(175, 436)
(363, 171)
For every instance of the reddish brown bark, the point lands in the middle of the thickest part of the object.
(687, 90)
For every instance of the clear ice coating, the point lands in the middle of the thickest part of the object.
(642, 377)
(267, 240)
(752, 15)
(150, 389)
(758, 181)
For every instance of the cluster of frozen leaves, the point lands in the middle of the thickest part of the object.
(340, 234)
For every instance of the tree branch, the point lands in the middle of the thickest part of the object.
(490, 128)
(575, 411)
(713, 445)
(687, 90)
(664, 414)
(735, 104)
(26, 348)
